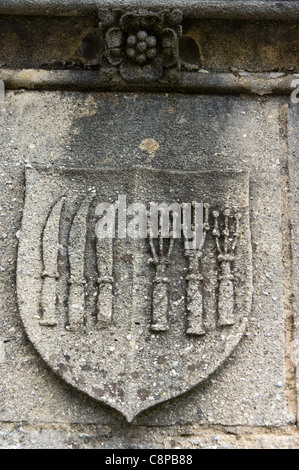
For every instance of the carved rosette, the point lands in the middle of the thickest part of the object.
(143, 45)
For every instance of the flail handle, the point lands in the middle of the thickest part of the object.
(194, 295)
(195, 305)
(226, 296)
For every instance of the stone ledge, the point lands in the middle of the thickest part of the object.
(74, 80)
(34, 435)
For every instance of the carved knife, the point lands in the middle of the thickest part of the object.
(76, 251)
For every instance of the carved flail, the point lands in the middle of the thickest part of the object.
(194, 281)
(77, 243)
(226, 255)
(105, 281)
(160, 283)
(50, 246)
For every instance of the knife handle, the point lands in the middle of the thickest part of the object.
(76, 304)
(105, 299)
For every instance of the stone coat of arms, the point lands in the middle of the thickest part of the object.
(133, 322)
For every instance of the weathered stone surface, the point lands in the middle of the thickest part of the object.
(184, 133)
(260, 51)
(2, 351)
(78, 436)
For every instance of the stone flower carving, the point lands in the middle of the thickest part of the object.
(144, 44)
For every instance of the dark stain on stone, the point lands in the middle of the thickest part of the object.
(99, 392)
(112, 389)
(53, 358)
(90, 47)
(117, 277)
(189, 53)
(127, 258)
(71, 444)
(81, 381)
(161, 360)
(175, 296)
(64, 367)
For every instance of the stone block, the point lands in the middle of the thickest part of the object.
(87, 131)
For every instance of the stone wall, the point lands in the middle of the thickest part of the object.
(220, 106)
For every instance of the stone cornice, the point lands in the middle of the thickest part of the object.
(220, 9)
(224, 83)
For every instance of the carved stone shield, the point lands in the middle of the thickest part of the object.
(133, 322)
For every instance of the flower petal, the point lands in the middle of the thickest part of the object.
(170, 53)
(169, 38)
(115, 56)
(114, 38)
